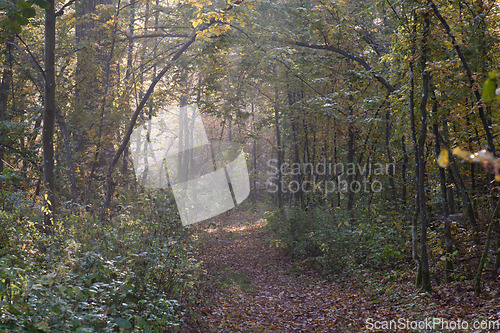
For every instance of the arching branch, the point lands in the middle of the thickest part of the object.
(390, 88)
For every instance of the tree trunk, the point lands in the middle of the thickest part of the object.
(497, 248)
(279, 150)
(448, 265)
(404, 168)
(69, 159)
(298, 195)
(49, 114)
(350, 160)
(451, 192)
(5, 85)
(414, 224)
(472, 165)
(426, 284)
(254, 156)
(389, 154)
(335, 157)
(457, 179)
(469, 209)
(484, 256)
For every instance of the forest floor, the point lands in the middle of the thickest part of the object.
(249, 285)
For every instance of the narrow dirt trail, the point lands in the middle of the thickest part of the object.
(253, 287)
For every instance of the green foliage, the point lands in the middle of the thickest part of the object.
(490, 87)
(10, 180)
(333, 244)
(15, 16)
(128, 274)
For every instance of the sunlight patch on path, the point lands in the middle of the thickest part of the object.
(234, 228)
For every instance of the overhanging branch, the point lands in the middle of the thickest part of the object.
(390, 88)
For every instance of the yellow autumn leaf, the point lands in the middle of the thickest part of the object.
(197, 22)
(461, 153)
(214, 28)
(443, 159)
(202, 35)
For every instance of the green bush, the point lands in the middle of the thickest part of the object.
(128, 274)
(335, 241)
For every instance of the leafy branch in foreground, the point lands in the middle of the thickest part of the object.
(491, 88)
(486, 158)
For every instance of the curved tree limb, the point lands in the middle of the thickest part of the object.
(390, 88)
(133, 121)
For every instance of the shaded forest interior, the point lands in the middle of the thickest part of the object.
(370, 131)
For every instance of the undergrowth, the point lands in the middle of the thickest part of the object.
(127, 274)
(334, 242)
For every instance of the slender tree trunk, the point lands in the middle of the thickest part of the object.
(457, 179)
(414, 224)
(426, 284)
(449, 178)
(451, 192)
(469, 209)
(69, 159)
(404, 169)
(335, 157)
(4, 93)
(486, 249)
(298, 195)
(279, 150)
(49, 114)
(472, 165)
(306, 158)
(389, 154)
(324, 157)
(350, 160)
(497, 248)
(254, 156)
(448, 265)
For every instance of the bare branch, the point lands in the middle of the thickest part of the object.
(66, 5)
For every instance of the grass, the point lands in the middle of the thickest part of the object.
(237, 280)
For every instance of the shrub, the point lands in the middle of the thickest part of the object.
(334, 241)
(130, 273)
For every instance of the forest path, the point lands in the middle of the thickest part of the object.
(252, 287)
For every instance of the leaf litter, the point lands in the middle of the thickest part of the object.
(248, 285)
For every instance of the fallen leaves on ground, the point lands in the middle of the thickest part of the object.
(250, 286)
